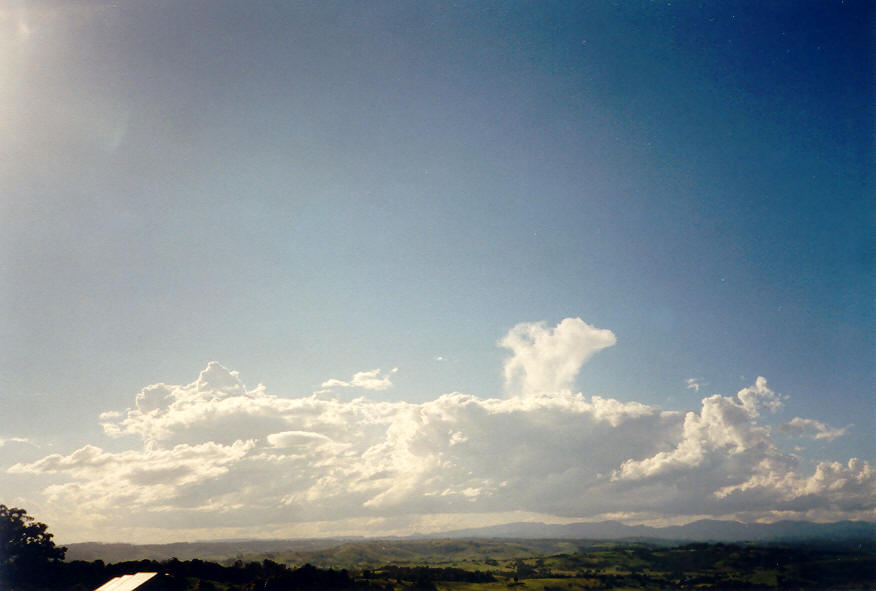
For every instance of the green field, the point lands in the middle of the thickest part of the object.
(491, 565)
(644, 566)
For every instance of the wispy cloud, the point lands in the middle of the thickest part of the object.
(8, 440)
(812, 428)
(694, 384)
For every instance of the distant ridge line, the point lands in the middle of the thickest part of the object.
(702, 530)
(707, 530)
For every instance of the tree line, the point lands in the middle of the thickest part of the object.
(30, 561)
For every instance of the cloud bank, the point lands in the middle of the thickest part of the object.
(218, 458)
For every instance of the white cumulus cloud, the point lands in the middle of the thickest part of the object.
(216, 456)
(724, 427)
(546, 360)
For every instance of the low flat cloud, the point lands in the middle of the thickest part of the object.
(219, 458)
(366, 380)
(8, 440)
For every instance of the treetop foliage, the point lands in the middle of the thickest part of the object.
(26, 547)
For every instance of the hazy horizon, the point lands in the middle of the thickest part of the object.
(297, 270)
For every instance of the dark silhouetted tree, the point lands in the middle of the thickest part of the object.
(27, 552)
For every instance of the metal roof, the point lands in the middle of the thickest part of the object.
(126, 582)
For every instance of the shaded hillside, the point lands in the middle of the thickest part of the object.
(219, 551)
(366, 554)
(499, 542)
(326, 553)
(607, 566)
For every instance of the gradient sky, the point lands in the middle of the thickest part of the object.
(653, 203)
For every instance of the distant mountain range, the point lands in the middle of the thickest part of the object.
(512, 539)
(706, 530)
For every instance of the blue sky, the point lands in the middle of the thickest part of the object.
(304, 192)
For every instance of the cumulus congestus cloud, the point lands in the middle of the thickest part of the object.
(546, 360)
(215, 453)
